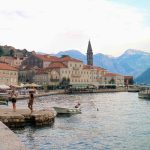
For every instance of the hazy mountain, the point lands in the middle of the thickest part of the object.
(134, 62)
(144, 77)
(131, 62)
(73, 53)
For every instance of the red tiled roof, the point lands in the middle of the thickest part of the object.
(128, 77)
(42, 71)
(92, 67)
(68, 58)
(48, 58)
(57, 65)
(110, 74)
(4, 66)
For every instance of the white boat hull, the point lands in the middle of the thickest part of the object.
(61, 110)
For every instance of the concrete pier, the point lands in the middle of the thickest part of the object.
(8, 140)
(54, 92)
(23, 117)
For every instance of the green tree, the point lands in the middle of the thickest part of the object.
(112, 81)
(1, 51)
(65, 82)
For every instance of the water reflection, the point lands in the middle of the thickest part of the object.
(122, 122)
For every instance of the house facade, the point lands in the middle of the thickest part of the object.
(30, 66)
(13, 61)
(8, 74)
(113, 79)
(72, 69)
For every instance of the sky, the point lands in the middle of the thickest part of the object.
(50, 26)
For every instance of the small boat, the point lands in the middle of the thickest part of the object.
(144, 92)
(3, 102)
(70, 111)
(133, 88)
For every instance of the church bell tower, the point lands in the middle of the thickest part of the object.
(89, 54)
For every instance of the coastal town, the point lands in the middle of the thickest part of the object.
(74, 75)
(51, 71)
(47, 75)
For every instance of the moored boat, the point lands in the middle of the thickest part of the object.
(144, 95)
(3, 102)
(144, 92)
(71, 111)
(133, 88)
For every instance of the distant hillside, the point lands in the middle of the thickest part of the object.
(11, 51)
(144, 78)
(131, 62)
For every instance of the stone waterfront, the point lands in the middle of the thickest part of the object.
(22, 117)
(8, 140)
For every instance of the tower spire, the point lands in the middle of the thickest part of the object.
(89, 54)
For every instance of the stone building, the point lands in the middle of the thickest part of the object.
(113, 79)
(8, 74)
(41, 61)
(128, 80)
(72, 69)
(13, 61)
(31, 65)
(26, 74)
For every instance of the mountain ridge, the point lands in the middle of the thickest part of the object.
(144, 78)
(131, 62)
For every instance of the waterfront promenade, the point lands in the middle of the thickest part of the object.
(8, 140)
(55, 92)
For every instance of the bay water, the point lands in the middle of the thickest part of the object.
(109, 121)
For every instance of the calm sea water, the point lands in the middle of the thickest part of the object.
(122, 123)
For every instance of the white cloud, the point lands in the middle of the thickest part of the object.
(54, 25)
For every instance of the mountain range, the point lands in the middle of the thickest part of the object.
(131, 62)
(144, 78)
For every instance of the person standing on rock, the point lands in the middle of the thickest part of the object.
(31, 99)
(13, 99)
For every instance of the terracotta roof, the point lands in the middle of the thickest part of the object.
(110, 74)
(42, 71)
(57, 65)
(4, 66)
(92, 67)
(128, 77)
(47, 58)
(68, 58)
